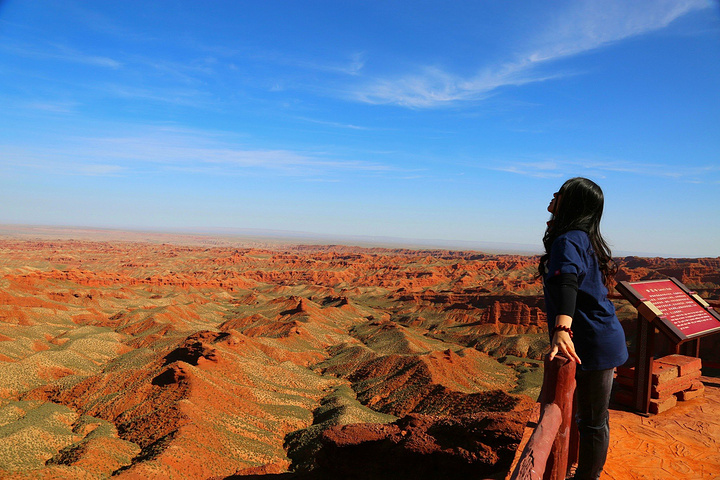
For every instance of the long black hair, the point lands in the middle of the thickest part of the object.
(579, 206)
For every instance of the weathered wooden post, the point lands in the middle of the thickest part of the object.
(559, 388)
(533, 460)
(553, 444)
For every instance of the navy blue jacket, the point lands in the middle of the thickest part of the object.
(598, 336)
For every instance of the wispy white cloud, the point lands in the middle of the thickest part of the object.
(164, 94)
(193, 70)
(91, 18)
(357, 62)
(103, 24)
(541, 169)
(72, 55)
(51, 106)
(592, 24)
(160, 149)
(434, 87)
(56, 161)
(97, 170)
(587, 25)
(334, 124)
(63, 53)
(564, 167)
(352, 66)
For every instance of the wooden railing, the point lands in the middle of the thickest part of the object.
(552, 448)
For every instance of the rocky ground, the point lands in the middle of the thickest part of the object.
(161, 360)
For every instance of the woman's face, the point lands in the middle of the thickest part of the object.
(552, 207)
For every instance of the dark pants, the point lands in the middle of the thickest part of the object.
(593, 396)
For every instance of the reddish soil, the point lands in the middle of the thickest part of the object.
(163, 360)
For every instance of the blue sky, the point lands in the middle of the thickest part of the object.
(412, 119)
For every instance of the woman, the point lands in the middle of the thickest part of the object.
(576, 269)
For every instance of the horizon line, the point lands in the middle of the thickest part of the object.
(291, 238)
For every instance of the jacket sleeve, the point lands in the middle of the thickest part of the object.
(563, 289)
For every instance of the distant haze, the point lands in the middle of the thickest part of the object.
(270, 239)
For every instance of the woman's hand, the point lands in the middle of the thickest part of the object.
(561, 340)
(562, 343)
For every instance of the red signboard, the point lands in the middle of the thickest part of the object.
(681, 315)
(677, 306)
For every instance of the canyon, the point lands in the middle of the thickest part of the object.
(162, 359)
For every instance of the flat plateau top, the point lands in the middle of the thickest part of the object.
(681, 443)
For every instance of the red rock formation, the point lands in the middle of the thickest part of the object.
(514, 313)
(422, 447)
